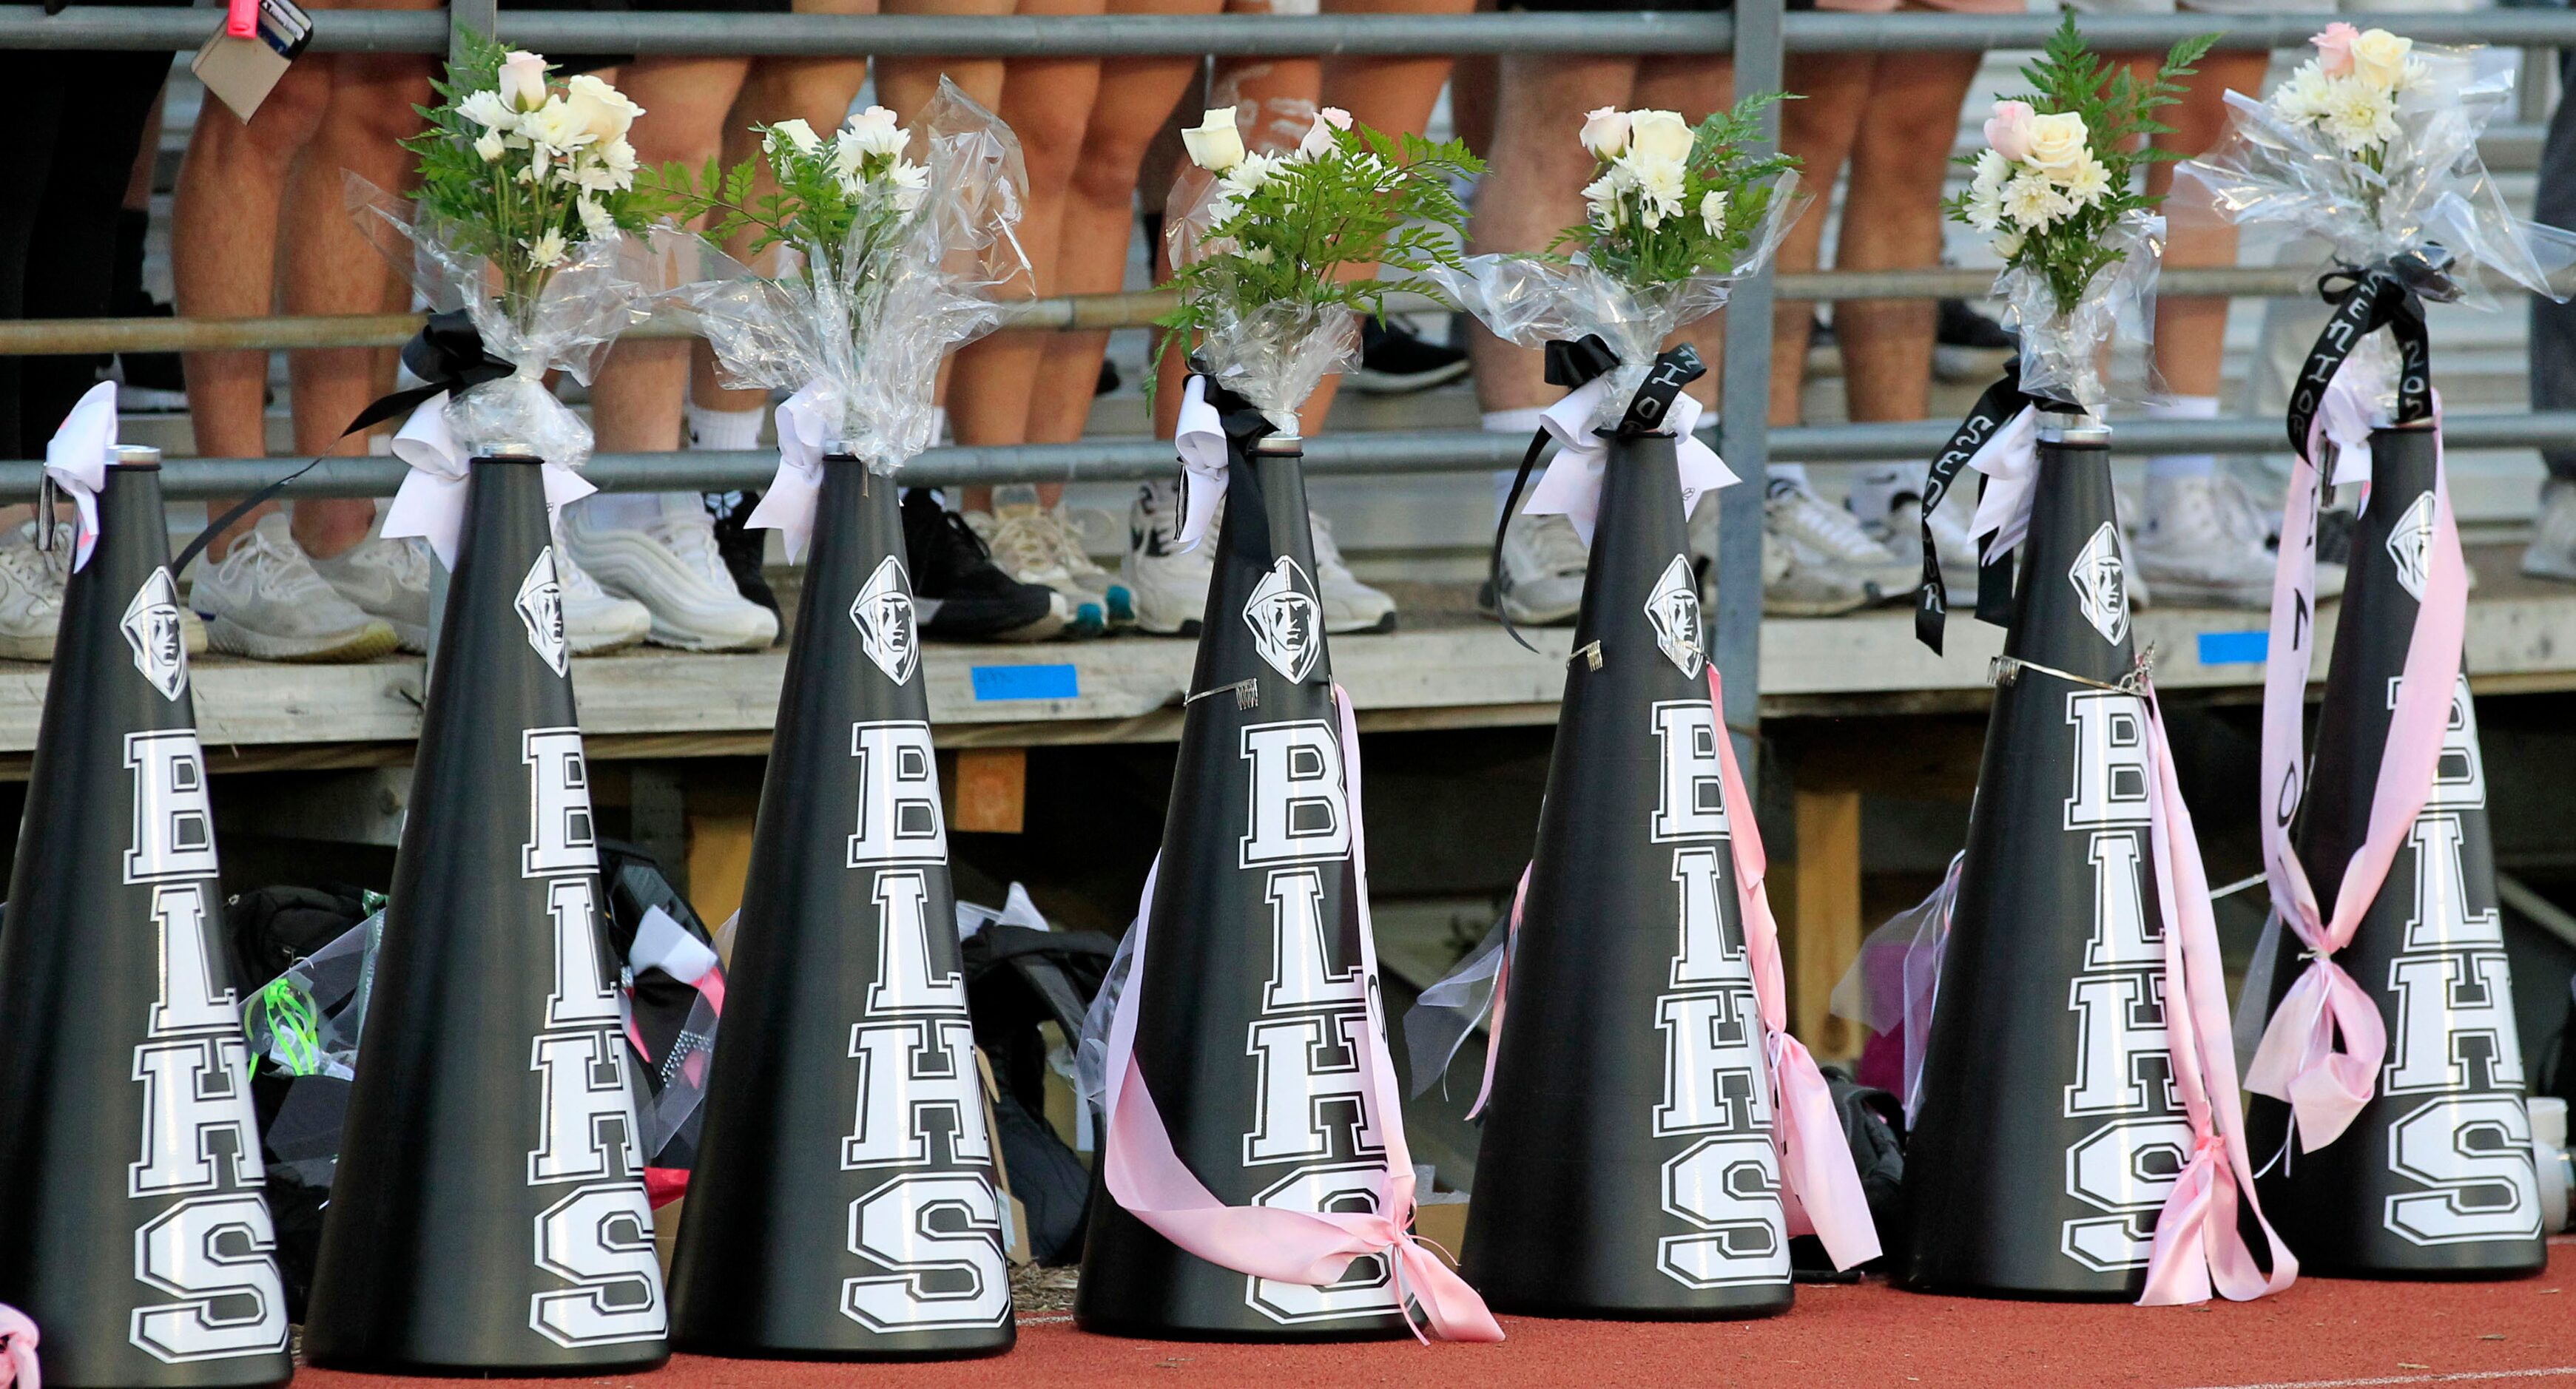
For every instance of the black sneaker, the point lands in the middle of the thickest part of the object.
(958, 592)
(1395, 362)
(1967, 345)
(742, 548)
(1109, 381)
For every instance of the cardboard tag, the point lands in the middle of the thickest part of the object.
(243, 71)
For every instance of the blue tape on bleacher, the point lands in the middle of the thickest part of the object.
(2234, 648)
(1026, 682)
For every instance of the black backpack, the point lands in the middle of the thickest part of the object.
(1017, 978)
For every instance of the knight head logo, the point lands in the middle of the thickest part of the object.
(888, 630)
(1673, 608)
(2410, 544)
(2102, 585)
(540, 605)
(1287, 623)
(152, 628)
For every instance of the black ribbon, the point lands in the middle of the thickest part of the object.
(1993, 410)
(1574, 365)
(447, 354)
(2391, 295)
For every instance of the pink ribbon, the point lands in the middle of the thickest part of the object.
(2298, 1060)
(1821, 1192)
(1502, 991)
(1147, 1177)
(2197, 1243)
(18, 1350)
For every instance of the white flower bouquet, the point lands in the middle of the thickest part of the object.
(2371, 146)
(891, 243)
(1260, 239)
(524, 222)
(2056, 188)
(1676, 215)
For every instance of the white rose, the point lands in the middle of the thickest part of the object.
(1605, 132)
(2379, 57)
(1712, 212)
(875, 131)
(795, 134)
(547, 250)
(1659, 135)
(2056, 141)
(1319, 136)
(523, 79)
(603, 110)
(1214, 144)
(488, 145)
(488, 110)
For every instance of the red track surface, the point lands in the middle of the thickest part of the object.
(2320, 1333)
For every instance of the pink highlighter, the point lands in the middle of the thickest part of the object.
(241, 18)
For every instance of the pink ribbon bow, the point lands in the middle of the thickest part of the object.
(18, 1350)
(2198, 1244)
(2299, 1061)
(1147, 1177)
(1821, 1190)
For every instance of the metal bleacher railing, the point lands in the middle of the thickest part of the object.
(1756, 35)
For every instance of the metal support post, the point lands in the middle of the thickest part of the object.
(1745, 403)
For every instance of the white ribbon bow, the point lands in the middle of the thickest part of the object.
(76, 459)
(2346, 416)
(431, 501)
(1200, 441)
(2010, 460)
(1571, 487)
(807, 421)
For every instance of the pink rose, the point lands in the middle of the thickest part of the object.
(2334, 48)
(2008, 129)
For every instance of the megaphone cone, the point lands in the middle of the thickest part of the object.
(2048, 1133)
(1252, 995)
(133, 1230)
(489, 1215)
(1627, 1166)
(843, 1204)
(2434, 1176)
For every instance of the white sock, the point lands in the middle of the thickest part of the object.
(939, 434)
(633, 511)
(1876, 489)
(1794, 474)
(724, 430)
(2170, 466)
(1523, 422)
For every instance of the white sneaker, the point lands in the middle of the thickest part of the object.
(1829, 539)
(31, 593)
(673, 568)
(1170, 587)
(1800, 581)
(2202, 540)
(1541, 583)
(264, 600)
(388, 580)
(1034, 544)
(2552, 553)
(1349, 605)
(594, 621)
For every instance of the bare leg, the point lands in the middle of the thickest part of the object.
(1819, 129)
(815, 90)
(231, 188)
(1137, 96)
(2190, 332)
(331, 269)
(1892, 221)
(636, 404)
(147, 158)
(1535, 190)
(907, 84)
(1389, 93)
(1048, 102)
